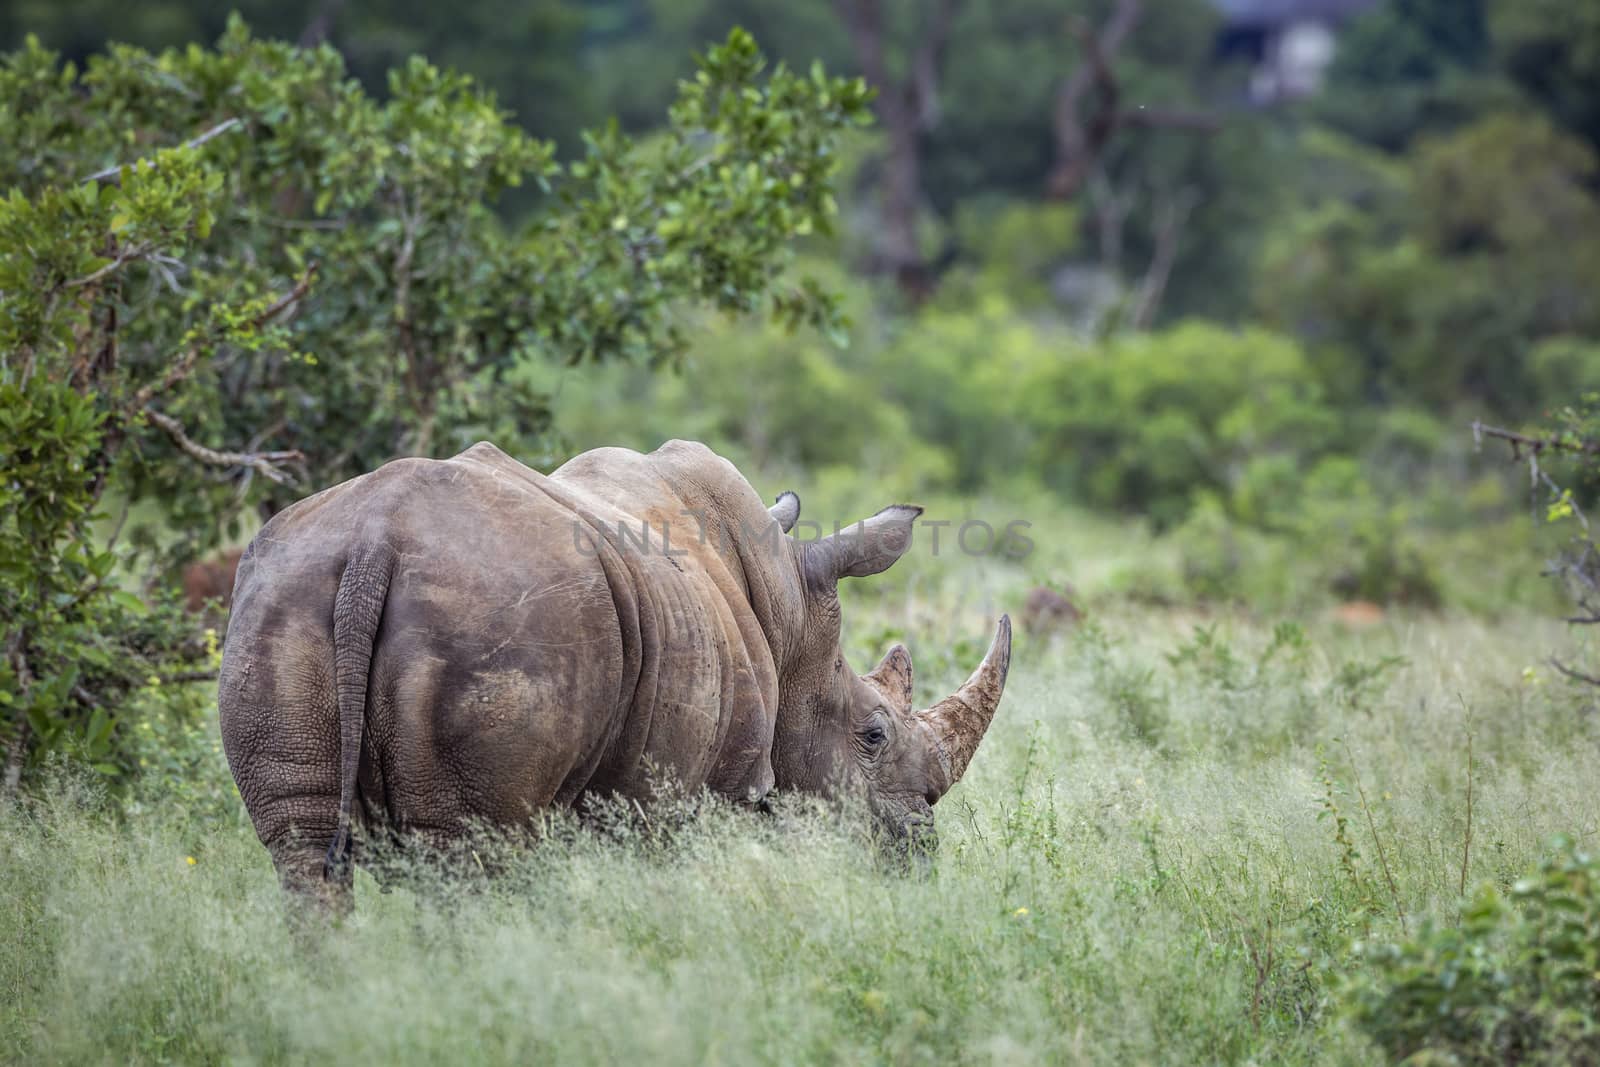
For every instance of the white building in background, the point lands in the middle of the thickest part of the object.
(1289, 42)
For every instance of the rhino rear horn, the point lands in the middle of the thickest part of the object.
(786, 511)
(867, 547)
(958, 721)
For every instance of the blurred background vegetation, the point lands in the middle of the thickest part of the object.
(1233, 278)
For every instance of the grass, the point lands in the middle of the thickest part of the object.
(1160, 855)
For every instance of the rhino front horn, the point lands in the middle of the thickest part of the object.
(958, 721)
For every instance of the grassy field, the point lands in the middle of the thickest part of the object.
(1140, 867)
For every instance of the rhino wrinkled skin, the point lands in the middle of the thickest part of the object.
(439, 643)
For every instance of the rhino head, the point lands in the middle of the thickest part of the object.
(839, 731)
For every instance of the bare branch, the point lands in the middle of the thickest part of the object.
(925, 63)
(263, 463)
(1577, 676)
(113, 174)
(1535, 445)
(1080, 141)
(907, 106)
(1174, 213)
(1078, 144)
(127, 254)
(864, 20)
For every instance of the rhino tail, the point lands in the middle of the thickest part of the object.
(357, 611)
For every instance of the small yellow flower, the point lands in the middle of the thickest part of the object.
(189, 860)
(1020, 913)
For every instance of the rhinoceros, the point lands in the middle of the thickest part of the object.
(444, 643)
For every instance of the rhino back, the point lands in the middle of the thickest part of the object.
(520, 660)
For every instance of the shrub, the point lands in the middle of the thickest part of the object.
(1149, 420)
(1518, 981)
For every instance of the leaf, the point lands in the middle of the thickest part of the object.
(128, 602)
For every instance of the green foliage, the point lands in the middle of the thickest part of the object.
(1461, 262)
(321, 273)
(1407, 66)
(1552, 49)
(78, 645)
(1516, 981)
(1150, 421)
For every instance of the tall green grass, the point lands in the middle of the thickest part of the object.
(1160, 855)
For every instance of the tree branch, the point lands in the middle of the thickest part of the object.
(127, 254)
(113, 174)
(263, 463)
(282, 304)
(1081, 141)
(190, 356)
(1078, 144)
(924, 84)
(1174, 213)
(1535, 445)
(1577, 676)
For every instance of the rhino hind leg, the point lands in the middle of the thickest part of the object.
(292, 711)
(300, 862)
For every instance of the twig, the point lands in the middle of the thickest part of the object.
(1174, 213)
(1262, 963)
(263, 463)
(293, 296)
(190, 356)
(1383, 859)
(128, 254)
(1536, 445)
(1577, 676)
(113, 174)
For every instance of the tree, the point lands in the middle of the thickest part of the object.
(308, 282)
(1411, 66)
(1552, 50)
(528, 54)
(908, 107)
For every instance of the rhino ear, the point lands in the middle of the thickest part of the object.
(892, 678)
(868, 547)
(786, 511)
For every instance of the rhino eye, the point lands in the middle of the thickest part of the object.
(874, 735)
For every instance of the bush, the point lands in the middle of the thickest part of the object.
(1517, 982)
(1151, 419)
